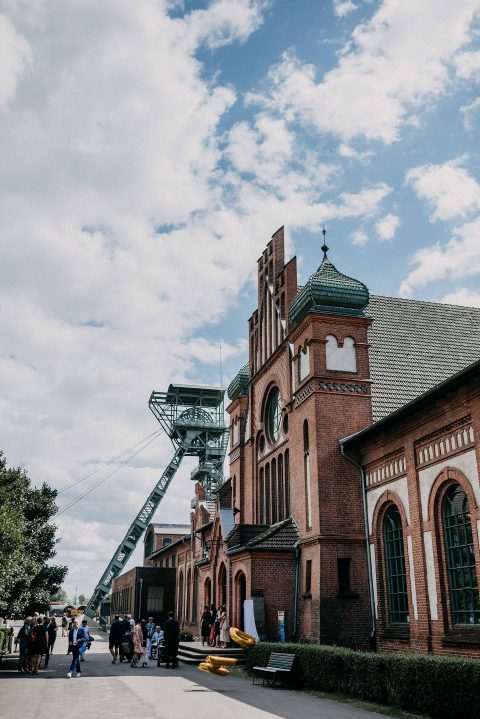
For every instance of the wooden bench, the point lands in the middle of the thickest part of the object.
(279, 667)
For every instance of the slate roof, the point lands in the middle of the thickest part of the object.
(415, 345)
(328, 290)
(281, 536)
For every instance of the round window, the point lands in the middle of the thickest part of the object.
(273, 415)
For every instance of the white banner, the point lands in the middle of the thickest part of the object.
(249, 619)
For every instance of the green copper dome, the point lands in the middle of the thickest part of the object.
(238, 387)
(329, 291)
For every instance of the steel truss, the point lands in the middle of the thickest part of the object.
(193, 418)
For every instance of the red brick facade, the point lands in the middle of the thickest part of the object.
(310, 386)
(411, 460)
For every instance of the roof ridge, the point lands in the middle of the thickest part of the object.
(424, 302)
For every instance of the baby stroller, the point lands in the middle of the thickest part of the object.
(126, 647)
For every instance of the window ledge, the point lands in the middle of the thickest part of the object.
(463, 635)
(397, 631)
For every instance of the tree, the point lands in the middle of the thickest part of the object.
(61, 596)
(82, 599)
(27, 543)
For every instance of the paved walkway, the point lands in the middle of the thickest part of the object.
(116, 691)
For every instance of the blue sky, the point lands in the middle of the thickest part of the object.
(149, 152)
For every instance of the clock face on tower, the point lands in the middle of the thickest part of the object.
(273, 415)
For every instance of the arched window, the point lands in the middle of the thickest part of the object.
(281, 495)
(222, 585)
(262, 496)
(395, 567)
(195, 595)
(274, 491)
(306, 472)
(267, 494)
(187, 605)
(180, 598)
(462, 575)
(287, 482)
(273, 415)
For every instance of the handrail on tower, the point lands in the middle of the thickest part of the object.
(193, 418)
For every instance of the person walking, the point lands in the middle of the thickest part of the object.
(211, 638)
(22, 639)
(205, 624)
(171, 633)
(51, 637)
(64, 625)
(76, 639)
(224, 627)
(38, 644)
(86, 645)
(143, 625)
(137, 645)
(126, 642)
(115, 638)
(150, 631)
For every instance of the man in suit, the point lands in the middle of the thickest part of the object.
(77, 637)
(171, 632)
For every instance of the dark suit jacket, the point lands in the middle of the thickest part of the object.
(171, 629)
(81, 637)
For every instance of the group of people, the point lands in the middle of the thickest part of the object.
(35, 640)
(214, 626)
(133, 641)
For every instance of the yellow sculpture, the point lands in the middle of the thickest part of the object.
(217, 665)
(240, 638)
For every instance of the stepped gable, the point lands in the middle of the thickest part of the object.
(415, 345)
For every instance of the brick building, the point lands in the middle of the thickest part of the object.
(291, 525)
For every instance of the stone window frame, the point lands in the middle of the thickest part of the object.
(384, 502)
(447, 477)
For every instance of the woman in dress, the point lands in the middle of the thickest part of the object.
(224, 627)
(137, 644)
(206, 623)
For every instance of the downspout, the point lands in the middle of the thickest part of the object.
(373, 631)
(298, 553)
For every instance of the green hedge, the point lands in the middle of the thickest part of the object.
(444, 687)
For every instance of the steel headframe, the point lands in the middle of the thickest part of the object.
(193, 418)
(200, 412)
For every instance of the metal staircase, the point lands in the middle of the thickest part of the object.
(193, 418)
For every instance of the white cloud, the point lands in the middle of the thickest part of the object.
(471, 113)
(462, 296)
(359, 238)
(224, 21)
(377, 86)
(448, 187)
(15, 59)
(467, 65)
(350, 153)
(343, 7)
(457, 259)
(387, 226)
(129, 221)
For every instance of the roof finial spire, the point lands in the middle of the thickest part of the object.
(324, 247)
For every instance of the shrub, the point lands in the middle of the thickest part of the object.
(445, 687)
(186, 636)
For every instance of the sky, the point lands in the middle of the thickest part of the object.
(148, 152)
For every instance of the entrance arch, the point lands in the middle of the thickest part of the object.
(240, 596)
(207, 592)
(222, 585)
